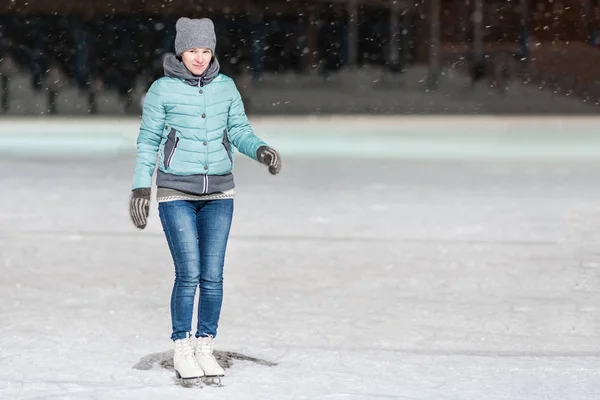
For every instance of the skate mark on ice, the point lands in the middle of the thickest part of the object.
(71, 235)
(237, 356)
(464, 352)
(224, 358)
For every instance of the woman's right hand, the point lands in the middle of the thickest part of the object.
(139, 206)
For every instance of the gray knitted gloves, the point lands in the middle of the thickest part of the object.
(270, 158)
(139, 206)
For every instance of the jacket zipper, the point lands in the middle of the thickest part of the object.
(205, 179)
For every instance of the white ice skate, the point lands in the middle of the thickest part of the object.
(207, 361)
(185, 364)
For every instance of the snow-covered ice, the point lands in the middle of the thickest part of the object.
(452, 259)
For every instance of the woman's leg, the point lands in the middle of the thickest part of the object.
(213, 222)
(178, 219)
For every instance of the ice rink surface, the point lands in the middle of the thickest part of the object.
(411, 259)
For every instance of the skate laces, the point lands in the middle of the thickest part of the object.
(206, 350)
(187, 351)
(206, 344)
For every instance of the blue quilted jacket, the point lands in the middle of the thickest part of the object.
(188, 126)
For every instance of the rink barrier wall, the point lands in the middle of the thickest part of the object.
(359, 136)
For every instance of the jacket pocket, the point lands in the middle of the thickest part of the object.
(227, 146)
(170, 147)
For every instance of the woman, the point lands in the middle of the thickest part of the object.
(191, 118)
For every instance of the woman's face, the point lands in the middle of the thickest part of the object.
(197, 60)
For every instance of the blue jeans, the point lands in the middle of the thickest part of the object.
(197, 234)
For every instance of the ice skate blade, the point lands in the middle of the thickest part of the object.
(189, 382)
(213, 380)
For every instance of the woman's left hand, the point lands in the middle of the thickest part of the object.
(270, 158)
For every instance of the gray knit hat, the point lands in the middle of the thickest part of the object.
(194, 33)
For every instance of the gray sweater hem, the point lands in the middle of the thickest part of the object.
(195, 184)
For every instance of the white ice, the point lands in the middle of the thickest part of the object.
(393, 258)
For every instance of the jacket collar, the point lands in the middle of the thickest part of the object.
(174, 68)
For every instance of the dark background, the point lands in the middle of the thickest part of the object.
(286, 55)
